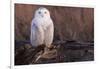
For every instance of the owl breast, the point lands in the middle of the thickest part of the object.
(41, 32)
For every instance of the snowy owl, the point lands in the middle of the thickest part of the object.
(42, 28)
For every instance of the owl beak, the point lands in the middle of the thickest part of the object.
(42, 15)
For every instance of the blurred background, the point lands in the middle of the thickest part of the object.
(70, 23)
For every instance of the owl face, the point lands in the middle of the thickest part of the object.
(42, 13)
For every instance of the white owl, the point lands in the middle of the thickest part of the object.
(42, 28)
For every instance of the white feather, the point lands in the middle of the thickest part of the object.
(42, 28)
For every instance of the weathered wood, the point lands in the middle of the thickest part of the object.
(65, 51)
(67, 44)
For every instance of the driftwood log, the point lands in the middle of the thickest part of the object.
(62, 51)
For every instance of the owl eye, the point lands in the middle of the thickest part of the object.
(45, 12)
(39, 12)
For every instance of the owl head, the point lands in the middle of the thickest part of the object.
(42, 13)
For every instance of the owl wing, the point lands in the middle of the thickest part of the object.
(48, 39)
(37, 34)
